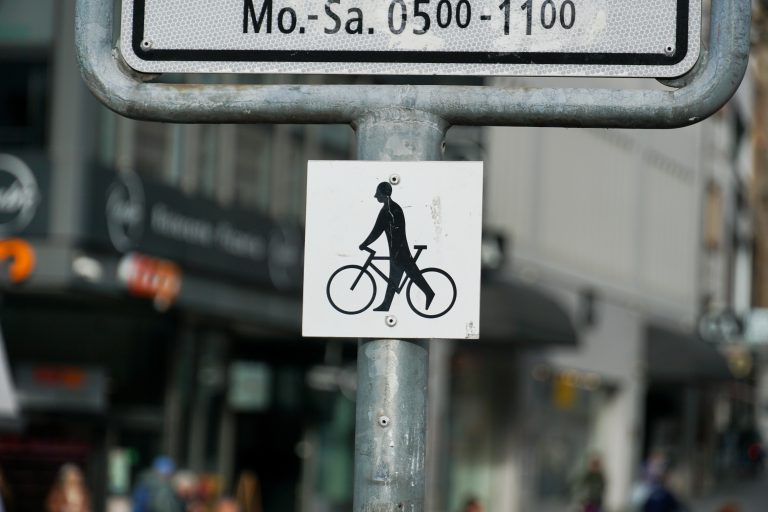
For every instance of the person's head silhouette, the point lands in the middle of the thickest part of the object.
(383, 190)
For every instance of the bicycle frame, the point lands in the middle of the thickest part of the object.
(372, 257)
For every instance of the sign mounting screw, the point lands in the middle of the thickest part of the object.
(384, 421)
(394, 179)
(390, 320)
(146, 44)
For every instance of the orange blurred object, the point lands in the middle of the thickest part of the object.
(22, 257)
(150, 277)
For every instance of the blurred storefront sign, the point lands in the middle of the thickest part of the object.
(149, 277)
(250, 386)
(23, 190)
(131, 214)
(720, 326)
(563, 392)
(728, 327)
(756, 327)
(19, 194)
(61, 388)
(125, 211)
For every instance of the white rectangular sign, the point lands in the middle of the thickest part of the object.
(393, 249)
(652, 38)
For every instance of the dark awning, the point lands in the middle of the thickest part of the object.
(674, 356)
(516, 312)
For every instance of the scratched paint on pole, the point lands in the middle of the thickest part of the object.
(393, 249)
(650, 38)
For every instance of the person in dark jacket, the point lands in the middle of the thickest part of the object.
(591, 486)
(660, 498)
(154, 492)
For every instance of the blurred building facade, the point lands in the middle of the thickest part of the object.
(162, 311)
(637, 232)
(157, 255)
(158, 310)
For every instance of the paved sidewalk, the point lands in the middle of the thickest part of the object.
(750, 496)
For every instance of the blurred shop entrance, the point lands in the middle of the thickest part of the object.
(89, 375)
(283, 412)
(30, 463)
(299, 440)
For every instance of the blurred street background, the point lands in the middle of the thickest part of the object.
(150, 308)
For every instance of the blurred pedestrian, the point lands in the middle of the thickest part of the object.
(472, 505)
(154, 492)
(659, 498)
(186, 486)
(69, 493)
(209, 490)
(590, 486)
(227, 505)
(249, 492)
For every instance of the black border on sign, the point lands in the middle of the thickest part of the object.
(419, 57)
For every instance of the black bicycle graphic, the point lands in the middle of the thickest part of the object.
(354, 287)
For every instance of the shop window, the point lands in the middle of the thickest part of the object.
(24, 103)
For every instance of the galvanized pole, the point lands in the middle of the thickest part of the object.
(390, 436)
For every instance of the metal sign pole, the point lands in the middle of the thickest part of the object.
(390, 435)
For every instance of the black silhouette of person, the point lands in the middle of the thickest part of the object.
(391, 222)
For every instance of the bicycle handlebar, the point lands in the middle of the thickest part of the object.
(417, 247)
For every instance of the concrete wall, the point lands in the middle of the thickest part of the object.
(610, 209)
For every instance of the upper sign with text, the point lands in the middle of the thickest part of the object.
(619, 38)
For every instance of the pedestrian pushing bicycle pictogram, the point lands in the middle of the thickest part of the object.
(417, 272)
(351, 289)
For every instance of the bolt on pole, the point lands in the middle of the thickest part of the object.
(391, 418)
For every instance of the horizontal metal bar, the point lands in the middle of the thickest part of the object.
(713, 82)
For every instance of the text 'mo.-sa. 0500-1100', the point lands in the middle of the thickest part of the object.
(653, 38)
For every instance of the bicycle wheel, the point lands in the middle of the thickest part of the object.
(349, 291)
(445, 294)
